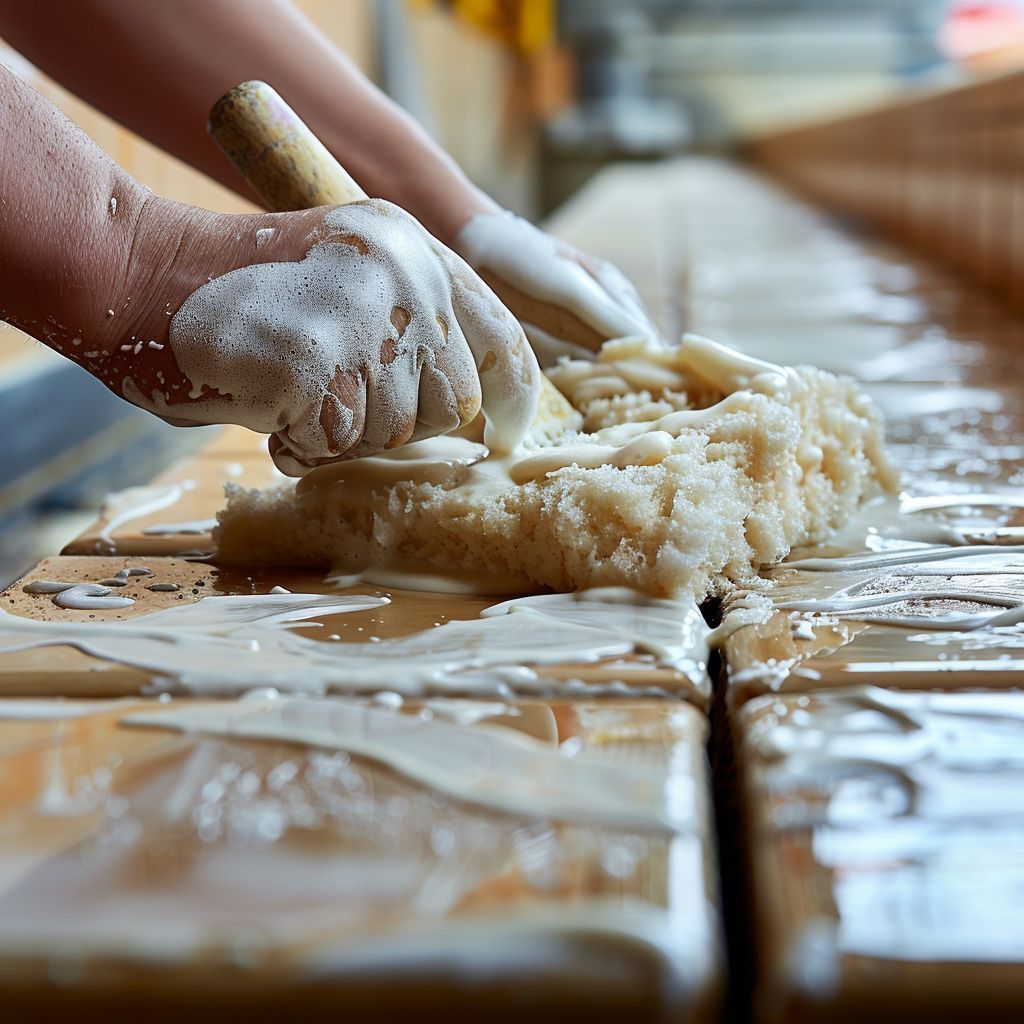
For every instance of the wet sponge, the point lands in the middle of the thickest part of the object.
(783, 462)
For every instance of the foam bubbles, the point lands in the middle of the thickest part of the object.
(378, 336)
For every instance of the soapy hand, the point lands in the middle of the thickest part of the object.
(568, 302)
(343, 332)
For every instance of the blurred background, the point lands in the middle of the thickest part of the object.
(533, 98)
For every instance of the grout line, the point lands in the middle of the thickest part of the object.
(730, 854)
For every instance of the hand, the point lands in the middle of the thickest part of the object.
(340, 331)
(568, 302)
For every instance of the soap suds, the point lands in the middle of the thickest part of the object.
(550, 271)
(379, 334)
(79, 596)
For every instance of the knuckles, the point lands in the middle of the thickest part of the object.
(341, 351)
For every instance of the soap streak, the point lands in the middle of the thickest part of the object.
(495, 767)
(905, 556)
(189, 526)
(228, 645)
(136, 502)
(862, 608)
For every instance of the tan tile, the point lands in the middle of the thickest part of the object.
(942, 635)
(62, 670)
(173, 514)
(198, 869)
(886, 848)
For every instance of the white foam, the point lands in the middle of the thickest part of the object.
(378, 335)
(552, 271)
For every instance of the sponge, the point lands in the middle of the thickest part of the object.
(688, 469)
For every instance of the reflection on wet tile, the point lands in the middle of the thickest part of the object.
(205, 861)
(887, 845)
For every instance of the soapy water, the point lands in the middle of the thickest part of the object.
(498, 768)
(228, 645)
(335, 848)
(900, 557)
(122, 507)
(940, 570)
(871, 608)
(928, 587)
(914, 801)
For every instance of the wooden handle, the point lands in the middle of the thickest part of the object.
(287, 165)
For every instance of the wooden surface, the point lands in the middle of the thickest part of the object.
(135, 870)
(938, 356)
(60, 671)
(635, 975)
(863, 897)
(742, 261)
(191, 490)
(888, 887)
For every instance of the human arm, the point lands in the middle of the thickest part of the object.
(159, 67)
(341, 331)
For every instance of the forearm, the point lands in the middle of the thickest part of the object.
(94, 265)
(158, 68)
(69, 217)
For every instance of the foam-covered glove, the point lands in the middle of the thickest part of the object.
(568, 302)
(341, 332)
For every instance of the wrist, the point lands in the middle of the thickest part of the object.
(163, 235)
(441, 197)
(177, 248)
(453, 210)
